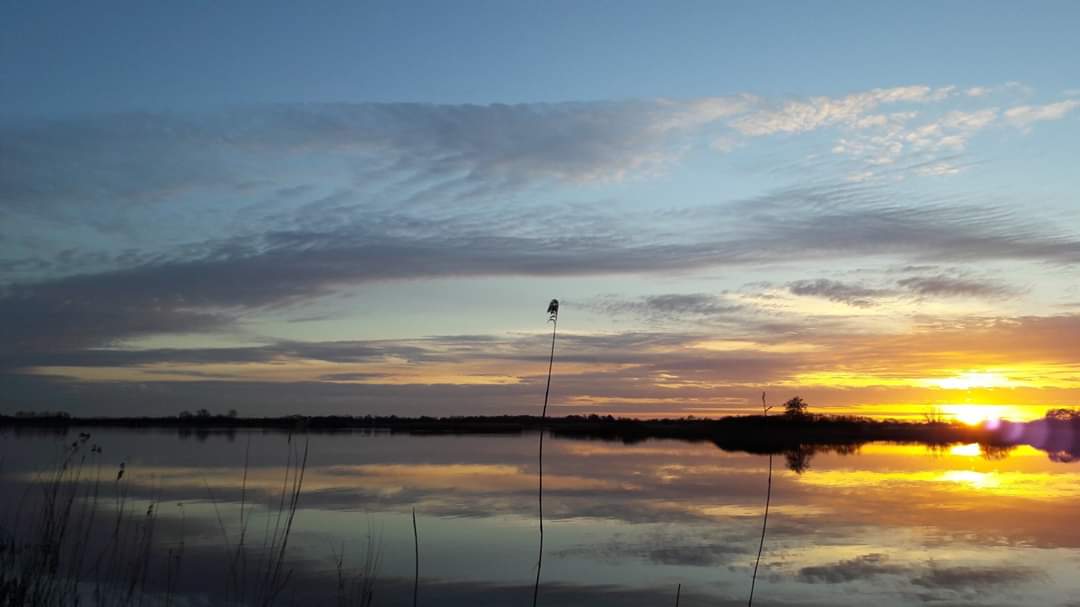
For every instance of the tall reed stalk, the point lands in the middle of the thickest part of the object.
(553, 318)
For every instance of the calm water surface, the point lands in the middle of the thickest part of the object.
(889, 524)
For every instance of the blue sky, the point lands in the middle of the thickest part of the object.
(362, 207)
(68, 58)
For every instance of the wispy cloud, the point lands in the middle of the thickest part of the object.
(154, 224)
(106, 170)
(799, 116)
(943, 285)
(211, 286)
(670, 306)
(1025, 115)
(833, 290)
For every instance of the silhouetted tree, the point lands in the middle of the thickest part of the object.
(796, 407)
(233, 413)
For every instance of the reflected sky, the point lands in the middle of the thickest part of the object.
(895, 524)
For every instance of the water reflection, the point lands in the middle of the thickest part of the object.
(894, 524)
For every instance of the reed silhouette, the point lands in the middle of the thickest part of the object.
(553, 318)
(63, 549)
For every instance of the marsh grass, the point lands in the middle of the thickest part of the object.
(75, 537)
(67, 545)
(357, 589)
(258, 574)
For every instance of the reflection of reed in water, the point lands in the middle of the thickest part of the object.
(764, 519)
(553, 318)
(540, 516)
(416, 549)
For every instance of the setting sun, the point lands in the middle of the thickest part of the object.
(975, 415)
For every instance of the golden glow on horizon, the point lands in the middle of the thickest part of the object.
(972, 379)
(843, 379)
(1028, 375)
(975, 415)
(902, 376)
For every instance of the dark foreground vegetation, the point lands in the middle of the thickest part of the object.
(76, 538)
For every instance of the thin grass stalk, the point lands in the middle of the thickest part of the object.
(678, 591)
(339, 562)
(243, 509)
(238, 564)
(277, 581)
(359, 591)
(172, 564)
(372, 557)
(271, 538)
(86, 523)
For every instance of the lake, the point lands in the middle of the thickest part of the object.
(625, 524)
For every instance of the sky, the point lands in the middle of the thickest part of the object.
(364, 208)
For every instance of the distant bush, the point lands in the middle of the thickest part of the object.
(796, 407)
(43, 414)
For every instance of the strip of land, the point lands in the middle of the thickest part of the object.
(753, 433)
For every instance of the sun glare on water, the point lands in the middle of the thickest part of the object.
(968, 450)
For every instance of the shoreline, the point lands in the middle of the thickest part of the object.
(750, 432)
